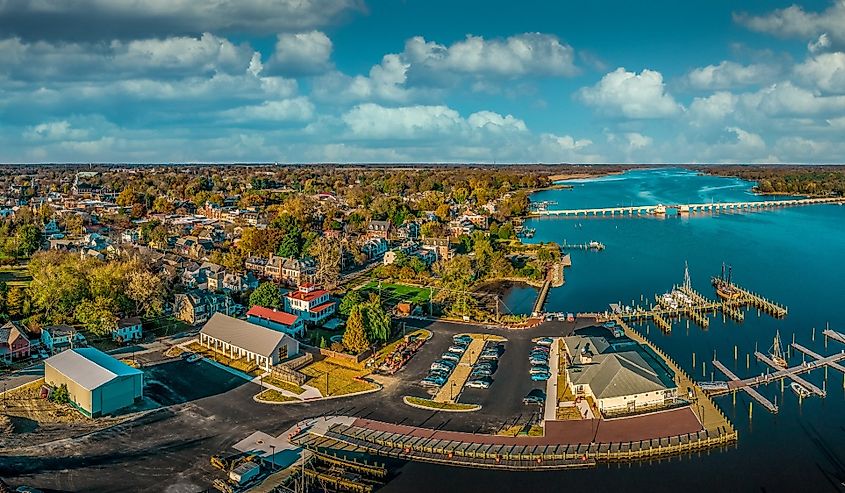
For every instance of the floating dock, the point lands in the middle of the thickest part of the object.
(793, 373)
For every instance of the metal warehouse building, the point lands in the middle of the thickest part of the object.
(97, 383)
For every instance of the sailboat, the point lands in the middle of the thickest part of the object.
(725, 288)
(776, 352)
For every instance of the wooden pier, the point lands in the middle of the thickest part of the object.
(590, 246)
(793, 373)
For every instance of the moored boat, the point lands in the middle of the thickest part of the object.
(776, 352)
(800, 390)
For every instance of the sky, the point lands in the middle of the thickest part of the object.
(351, 81)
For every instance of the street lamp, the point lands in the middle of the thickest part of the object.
(452, 392)
(273, 456)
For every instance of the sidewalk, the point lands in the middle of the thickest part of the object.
(551, 384)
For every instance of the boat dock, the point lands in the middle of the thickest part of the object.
(793, 373)
(589, 246)
(684, 301)
(757, 396)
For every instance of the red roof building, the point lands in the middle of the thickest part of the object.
(311, 302)
(289, 323)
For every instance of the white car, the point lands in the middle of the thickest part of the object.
(193, 358)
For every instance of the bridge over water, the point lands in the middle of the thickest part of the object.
(637, 210)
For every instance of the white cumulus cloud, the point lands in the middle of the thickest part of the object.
(631, 95)
(825, 71)
(305, 53)
(795, 22)
(728, 74)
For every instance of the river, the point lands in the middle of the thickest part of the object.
(792, 256)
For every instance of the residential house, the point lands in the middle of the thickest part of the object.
(196, 307)
(442, 247)
(410, 230)
(240, 339)
(57, 337)
(461, 226)
(374, 247)
(132, 236)
(271, 318)
(297, 271)
(256, 264)
(14, 342)
(127, 329)
(379, 229)
(312, 303)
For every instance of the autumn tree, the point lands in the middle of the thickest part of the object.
(326, 252)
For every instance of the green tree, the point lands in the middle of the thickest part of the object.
(60, 394)
(16, 301)
(28, 238)
(98, 315)
(323, 343)
(355, 336)
(376, 321)
(349, 302)
(267, 295)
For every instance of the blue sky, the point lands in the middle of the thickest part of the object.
(422, 81)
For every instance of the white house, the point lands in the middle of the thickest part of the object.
(312, 303)
(127, 329)
(57, 337)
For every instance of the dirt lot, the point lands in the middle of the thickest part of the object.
(30, 420)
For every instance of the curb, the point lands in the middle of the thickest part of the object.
(302, 401)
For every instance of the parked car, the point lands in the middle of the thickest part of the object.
(536, 396)
(492, 365)
(540, 349)
(540, 377)
(463, 338)
(443, 365)
(451, 357)
(433, 381)
(457, 349)
(539, 360)
(545, 341)
(43, 354)
(538, 369)
(479, 383)
(480, 372)
(193, 358)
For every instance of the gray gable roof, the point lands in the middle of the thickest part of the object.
(243, 334)
(618, 374)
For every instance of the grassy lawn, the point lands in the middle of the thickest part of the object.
(165, 327)
(275, 396)
(290, 387)
(393, 294)
(15, 275)
(341, 379)
(238, 364)
(445, 406)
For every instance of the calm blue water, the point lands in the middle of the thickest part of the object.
(793, 256)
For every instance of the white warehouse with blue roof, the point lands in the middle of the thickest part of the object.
(97, 383)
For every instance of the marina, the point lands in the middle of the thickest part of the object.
(780, 372)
